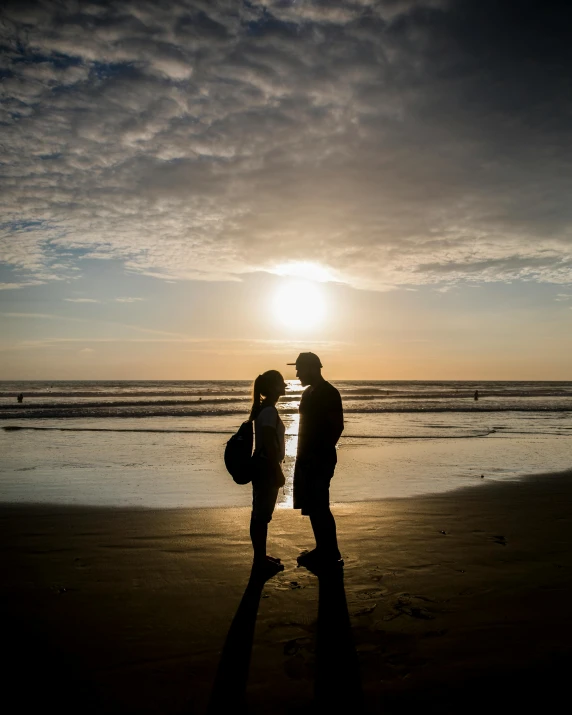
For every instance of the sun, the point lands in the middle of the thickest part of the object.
(300, 304)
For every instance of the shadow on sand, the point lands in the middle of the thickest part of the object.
(337, 680)
(337, 685)
(229, 689)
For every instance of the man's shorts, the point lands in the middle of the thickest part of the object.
(312, 486)
(264, 498)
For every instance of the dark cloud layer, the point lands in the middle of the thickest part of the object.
(393, 141)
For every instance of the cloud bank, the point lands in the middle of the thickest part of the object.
(393, 142)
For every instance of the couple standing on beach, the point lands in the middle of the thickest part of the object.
(321, 424)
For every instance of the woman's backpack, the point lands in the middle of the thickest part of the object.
(238, 453)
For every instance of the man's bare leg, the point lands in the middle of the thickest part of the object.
(324, 527)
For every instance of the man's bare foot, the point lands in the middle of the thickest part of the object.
(306, 556)
(314, 560)
(267, 566)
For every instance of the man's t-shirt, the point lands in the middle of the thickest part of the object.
(315, 433)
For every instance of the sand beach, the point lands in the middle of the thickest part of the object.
(457, 602)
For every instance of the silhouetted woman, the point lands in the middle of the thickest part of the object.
(268, 455)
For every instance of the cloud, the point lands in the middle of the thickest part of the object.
(16, 286)
(398, 142)
(82, 300)
(41, 316)
(136, 328)
(184, 344)
(94, 300)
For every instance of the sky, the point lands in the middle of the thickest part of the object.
(202, 189)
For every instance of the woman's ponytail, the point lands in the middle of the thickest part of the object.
(266, 384)
(256, 398)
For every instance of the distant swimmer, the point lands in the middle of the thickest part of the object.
(476, 395)
(20, 397)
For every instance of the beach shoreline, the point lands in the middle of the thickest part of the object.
(184, 471)
(453, 595)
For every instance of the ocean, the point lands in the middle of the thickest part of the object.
(160, 443)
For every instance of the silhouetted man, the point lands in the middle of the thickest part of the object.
(321, 424)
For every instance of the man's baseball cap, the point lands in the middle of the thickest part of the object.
(309, 359)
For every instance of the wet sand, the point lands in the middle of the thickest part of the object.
(459, 602)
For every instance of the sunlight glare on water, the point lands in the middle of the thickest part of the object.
(286, 495)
